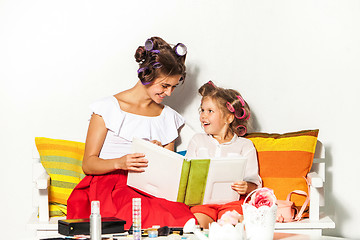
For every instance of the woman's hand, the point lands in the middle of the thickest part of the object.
(156, 142)
(240, 187)
(134, 162)
(169, 146)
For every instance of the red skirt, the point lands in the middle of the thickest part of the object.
(116, 201)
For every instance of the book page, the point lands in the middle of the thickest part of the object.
(162, 176)
(223, 172)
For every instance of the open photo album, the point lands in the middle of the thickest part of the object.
(171, 176)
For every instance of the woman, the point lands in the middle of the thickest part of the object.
(116, 120)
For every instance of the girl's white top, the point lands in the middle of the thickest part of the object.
(123, 127)
(203, 145)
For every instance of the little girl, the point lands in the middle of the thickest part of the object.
(224, 116)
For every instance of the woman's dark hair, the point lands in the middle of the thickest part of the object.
(162, 59)
(229, 101)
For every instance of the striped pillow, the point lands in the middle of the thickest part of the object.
(284, 159)
(57, 210)
(62, 160)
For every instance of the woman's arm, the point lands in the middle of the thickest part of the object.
(94, 165)
(170, 146)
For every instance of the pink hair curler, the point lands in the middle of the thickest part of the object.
(243, 132)
(230, 107)
(241, 100)
(211, 83)
(247, 117)
(242, 116)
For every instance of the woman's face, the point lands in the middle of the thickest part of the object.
(162, 86)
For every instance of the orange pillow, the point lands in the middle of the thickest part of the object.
(284, 161)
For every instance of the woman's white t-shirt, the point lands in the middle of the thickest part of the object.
(123, 127)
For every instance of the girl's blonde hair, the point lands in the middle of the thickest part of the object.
(229, 101)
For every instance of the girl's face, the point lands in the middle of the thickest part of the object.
(212, 119)
(162, 86)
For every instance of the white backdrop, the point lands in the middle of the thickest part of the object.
(295, 62)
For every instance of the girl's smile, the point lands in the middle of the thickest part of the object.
(213, 120)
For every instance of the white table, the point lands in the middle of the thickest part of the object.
(290, 236)
(277, 236)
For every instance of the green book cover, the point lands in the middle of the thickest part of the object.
(193, 181)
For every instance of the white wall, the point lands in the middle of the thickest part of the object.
(295, 62)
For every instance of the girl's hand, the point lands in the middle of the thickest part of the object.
(240, 187)
(133, 162)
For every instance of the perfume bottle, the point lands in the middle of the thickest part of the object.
(95, 221)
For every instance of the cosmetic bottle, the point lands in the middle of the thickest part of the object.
(95, 221)
(136, 212)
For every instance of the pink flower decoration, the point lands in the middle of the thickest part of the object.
(263, 197)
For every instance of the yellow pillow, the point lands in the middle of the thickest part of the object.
(284, 161)
(62, 160)
(57, 210)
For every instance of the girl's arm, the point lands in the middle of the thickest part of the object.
(251, 187)
(94, 165)
(191, 149)
(252, 166)
(252, 179)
